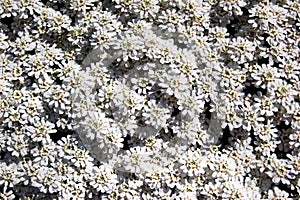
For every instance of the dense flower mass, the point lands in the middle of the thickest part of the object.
(148, 99)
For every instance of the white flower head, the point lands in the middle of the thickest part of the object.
(129, 102)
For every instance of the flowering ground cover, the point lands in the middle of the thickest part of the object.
(148, 99)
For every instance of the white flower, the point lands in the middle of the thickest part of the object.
(10, 175)
(103, 179)
(285, 93)
(295, 139)
(81, 5)
(280, 171)
(172, 177)
(41, 130)
(47, 180)
(23, 43)
(241, 50)
(136, 160)
(278, 194)
(232, 120)
(18, 145)
(170, 20)
(147, 8)
(44, 155)
(3, 44)
(193, 163)
(130, 46)
(190, 105)
(7, 195)
(188, 129)
(102, 38)
(140, 26)
(129, 99)
(265, 104)
(222, 166)
(235, 6)
(59, 99)
(266, 132)
(156, 115)
(266, 147)
(175, 83)
(126, 100)
(187, 191)
(265, 75)
(251, 117)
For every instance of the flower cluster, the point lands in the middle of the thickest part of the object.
(148, 99)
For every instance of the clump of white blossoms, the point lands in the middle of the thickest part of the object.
(147, 99)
